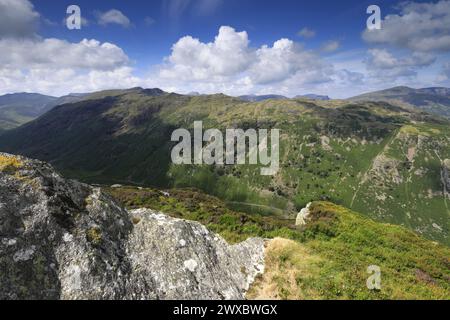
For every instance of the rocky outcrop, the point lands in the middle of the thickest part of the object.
(61, 239)
(303, 215)
(386, 168)
(446, 174)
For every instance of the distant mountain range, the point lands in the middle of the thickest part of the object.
(431, 100)
(19, 108)
(313, 97)
(257, 98)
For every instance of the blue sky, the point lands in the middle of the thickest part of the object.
(287, 46)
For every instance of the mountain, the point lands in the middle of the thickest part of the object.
(19, 108)
(313, 97)
(62, 239)
(70, 98)
(380, 159)
(432, 100)
(256, 98)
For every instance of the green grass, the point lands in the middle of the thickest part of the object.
(328, 258)
(328, 152)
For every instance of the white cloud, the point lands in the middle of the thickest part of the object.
(191, 59)
(17, 19)
(56, 54)
(423, 27)
(382, 64)
(284, 60)
(306, 33)
(54, 66)
(330, 46)
(113, 16)
(63, 81)
(444, 75)
(229, 61)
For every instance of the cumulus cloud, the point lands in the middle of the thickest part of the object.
(444, 75)
(56, 53)
(423, 27)
(306, 33)
(284, 60)
(113, 16)
(17, 19)
(62, 81)
(228, 55)
(384, 64)
(54, 66)
(230, 59)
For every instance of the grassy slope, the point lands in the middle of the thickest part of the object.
(17, 109)
(328, 152)
(327, 259)
(432, 100)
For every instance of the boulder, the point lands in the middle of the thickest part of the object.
(61, 239)
(446, 174)
(303, 215)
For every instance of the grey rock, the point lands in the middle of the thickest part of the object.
(303, 216)
(183, 260)
(446, 174)
(61, 239)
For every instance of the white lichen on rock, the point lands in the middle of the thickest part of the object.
(61, 239)
(303, 215)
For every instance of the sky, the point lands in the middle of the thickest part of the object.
(236, 47)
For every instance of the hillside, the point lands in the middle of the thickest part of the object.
(19, 108)
(432, 100)
(256, 98)
(313, 97)
(62, 239)
(384, 161)
(325, 259)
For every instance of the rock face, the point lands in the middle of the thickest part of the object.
(303, 215)
(61, 239)
(446, 174)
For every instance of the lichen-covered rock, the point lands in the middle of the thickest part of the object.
(446, 174)
(193, 262)
(303, 215)
(60, 239)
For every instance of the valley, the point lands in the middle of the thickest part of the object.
(381, 159)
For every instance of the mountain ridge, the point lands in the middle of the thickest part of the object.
(435, 100)
(330, 150)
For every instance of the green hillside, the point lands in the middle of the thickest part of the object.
(432, 100)
(17, 109)
(325, 259)
(379, 159)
